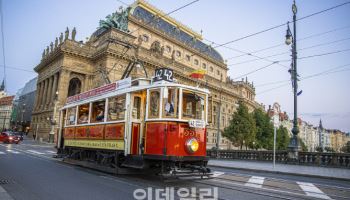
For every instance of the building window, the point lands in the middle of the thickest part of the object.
(188, 58)
(217, 72)
(211, 69)
(204, 66)
(74, 87)
(178, 54)
(168, 49)
(196, 62)
(145, 38)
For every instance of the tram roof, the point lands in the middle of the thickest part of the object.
(135, 85)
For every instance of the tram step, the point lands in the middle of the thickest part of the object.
(134, 162)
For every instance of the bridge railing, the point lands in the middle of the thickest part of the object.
(304, 158)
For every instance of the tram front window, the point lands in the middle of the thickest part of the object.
(71, 116)
(154, 104)
(83, 114)
(192, 105)
(170, 102)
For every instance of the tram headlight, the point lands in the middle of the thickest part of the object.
(192, 145)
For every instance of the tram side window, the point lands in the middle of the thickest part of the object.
(83, 113)
(98, 111)
(192, 105)
(116, 108)
(170, 102)
(153, 111)
(71, 112)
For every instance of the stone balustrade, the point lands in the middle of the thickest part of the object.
(305, 158)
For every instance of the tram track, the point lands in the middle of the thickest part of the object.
(267, 189)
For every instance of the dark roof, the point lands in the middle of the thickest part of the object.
(172, 31)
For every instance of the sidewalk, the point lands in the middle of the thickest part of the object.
(314, 171)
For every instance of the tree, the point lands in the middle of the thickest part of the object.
(282, 138)
(319, 149)
(242, 127)
(264, 129)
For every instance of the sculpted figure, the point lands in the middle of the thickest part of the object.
(74, 32)
(61, 38)
(47, 50)
(56, 42)
(51, 46)
(43, 54)
(66, 34)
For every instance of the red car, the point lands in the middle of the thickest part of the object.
(9, 137)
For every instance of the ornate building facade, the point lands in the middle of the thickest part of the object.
(141, 35)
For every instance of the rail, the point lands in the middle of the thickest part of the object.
(304, 158)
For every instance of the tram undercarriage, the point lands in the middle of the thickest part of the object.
(115, 162)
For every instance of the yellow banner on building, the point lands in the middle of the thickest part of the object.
(96, 144)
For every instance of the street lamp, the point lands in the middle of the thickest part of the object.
(52, 119)
(291, 39)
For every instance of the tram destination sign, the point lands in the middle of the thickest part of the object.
(194, 123)
(163, 74)
(100, 90)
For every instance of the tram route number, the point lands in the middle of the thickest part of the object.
(164, 74)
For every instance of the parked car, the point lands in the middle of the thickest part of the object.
(19, 134)
(9, 137)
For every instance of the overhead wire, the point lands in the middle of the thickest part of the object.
(326, 72)
(282, 44)
(287, 80)
(280, 25)
(286, 52)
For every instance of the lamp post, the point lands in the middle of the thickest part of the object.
(291, 39)
(52, 119)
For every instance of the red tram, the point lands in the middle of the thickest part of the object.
(140, 124)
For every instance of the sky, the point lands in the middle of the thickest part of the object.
(323, 44)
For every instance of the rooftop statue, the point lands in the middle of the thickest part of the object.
(118, 20)
(66, 34)
(56, 42)
(74, 32)
(61, 38)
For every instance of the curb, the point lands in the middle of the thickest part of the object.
(280, 172)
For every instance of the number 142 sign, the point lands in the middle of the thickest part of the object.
(163, 74)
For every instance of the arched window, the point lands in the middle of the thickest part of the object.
(74, 87)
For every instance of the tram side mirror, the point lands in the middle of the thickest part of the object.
(210, 109)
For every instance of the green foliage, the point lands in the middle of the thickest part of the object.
(346, 148)
(264, 130)
(329, 149)
(282, 138)
(242, 127)
(319, 149)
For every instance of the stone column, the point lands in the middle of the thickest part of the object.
(41, 95)
(49, 91)
(63, 85)
(37, 96)
(54, 87)
(46, 81)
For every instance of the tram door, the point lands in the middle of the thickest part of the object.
(137, 121)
